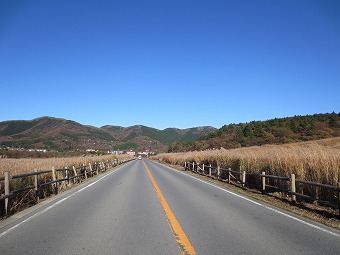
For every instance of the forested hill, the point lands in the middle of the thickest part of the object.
(274, 131)
(66, 135)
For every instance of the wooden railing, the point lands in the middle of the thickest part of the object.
(296, 188)
(17, 189)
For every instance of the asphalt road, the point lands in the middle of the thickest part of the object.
(123, 212)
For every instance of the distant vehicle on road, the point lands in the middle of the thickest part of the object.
(139, 157)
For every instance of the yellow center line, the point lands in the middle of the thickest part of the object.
(181, 238)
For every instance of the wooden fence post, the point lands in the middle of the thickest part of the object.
(7, 192)
(67, 172)
(229, 175)
(36, 187)
(218, 172)
(90, 167)
(75, 173)
(292, 186)
(243, 178)
(55, 184)
(263, 188)
(85, 173)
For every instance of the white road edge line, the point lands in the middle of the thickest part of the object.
(257, 203)
(55, 204)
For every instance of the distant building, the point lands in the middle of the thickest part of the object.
(146, 152)
(117, 152)
(131, 153)
(39, 150)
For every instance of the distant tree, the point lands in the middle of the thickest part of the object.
(258, 130)
(334, 120)
(240, 137)
(293, 125)
(248, 131)
(282, 134)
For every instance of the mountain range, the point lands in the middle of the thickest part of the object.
(60, 134)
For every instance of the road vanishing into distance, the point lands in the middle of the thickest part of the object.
(143, 207)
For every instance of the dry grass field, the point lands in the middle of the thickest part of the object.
(20, 166)
(317, 161)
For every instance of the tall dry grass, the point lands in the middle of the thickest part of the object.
(20, 166)
(317, 161)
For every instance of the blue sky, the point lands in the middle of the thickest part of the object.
(168, 63)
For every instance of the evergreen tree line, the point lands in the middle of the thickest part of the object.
(274, 131)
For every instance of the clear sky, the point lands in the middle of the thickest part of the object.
(169, 63)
